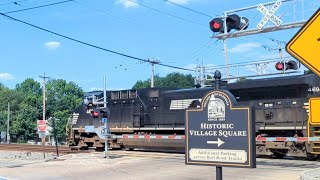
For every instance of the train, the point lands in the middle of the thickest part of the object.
(154, 118)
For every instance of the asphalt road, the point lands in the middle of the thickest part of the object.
(148, 165)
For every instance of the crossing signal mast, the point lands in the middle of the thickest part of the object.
(233, 25)
(223, 25)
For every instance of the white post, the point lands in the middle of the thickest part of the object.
(105, 122)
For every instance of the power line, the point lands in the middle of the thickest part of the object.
(266, 47)
(122, 19)
(189, 9)
(88, 44)
(13, 2)
(175, 67)
(125, 20)
(36, 7)
(168, 14)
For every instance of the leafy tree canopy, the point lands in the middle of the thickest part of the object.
(26, 106)
(171, 80)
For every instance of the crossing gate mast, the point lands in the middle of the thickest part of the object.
(233, 19)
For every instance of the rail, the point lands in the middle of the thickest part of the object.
(36, 148)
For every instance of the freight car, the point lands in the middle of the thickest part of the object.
(154, 117)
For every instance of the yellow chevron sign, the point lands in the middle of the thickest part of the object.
(305, 45)
(314, 110)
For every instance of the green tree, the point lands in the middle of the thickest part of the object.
(25, 122)
(178, 80)
(307, 71)
(25, 116)
(242, 79)
(170, 80)
(14, 98)
(62, 99)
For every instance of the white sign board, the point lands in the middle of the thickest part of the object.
(89, 129)
(269, 15)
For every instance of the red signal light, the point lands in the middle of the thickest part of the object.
(95, 114)
(216, 25)
(280, 66)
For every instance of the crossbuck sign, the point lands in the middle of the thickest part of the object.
(269, 15)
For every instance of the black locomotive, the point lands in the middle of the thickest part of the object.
(154, 117)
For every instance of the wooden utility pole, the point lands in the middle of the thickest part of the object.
(44, 77)
(8, 125)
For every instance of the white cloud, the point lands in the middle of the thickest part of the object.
(269, 56)
(127, 3)
(52, 45)
(6, 76)
(243, 47)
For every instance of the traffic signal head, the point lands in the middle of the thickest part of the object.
(95, 113)
(244, 23)
(232, 21)
(292, 65)
(105, 112)
(281, 66)
(216, 25)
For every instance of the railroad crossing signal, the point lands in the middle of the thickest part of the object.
(269, 15)
(305, 45)
(283, 66)
(233, 21)
(41, 125)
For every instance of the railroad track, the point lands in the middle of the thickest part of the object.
(37, 148)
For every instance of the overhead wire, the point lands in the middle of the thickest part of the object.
(266, 47)
(13, 2)
(88, 44)
(189, 9)
(210, 49)
(36, 7)
(120, 18)
(168, 14)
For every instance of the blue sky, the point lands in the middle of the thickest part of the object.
(129, 28)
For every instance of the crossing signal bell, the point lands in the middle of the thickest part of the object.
(232, 21)
(283, 66)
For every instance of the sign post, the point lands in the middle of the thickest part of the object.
(42, 127)
(219, 133)
(305, 44)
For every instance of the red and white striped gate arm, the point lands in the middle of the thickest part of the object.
(267, 139)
